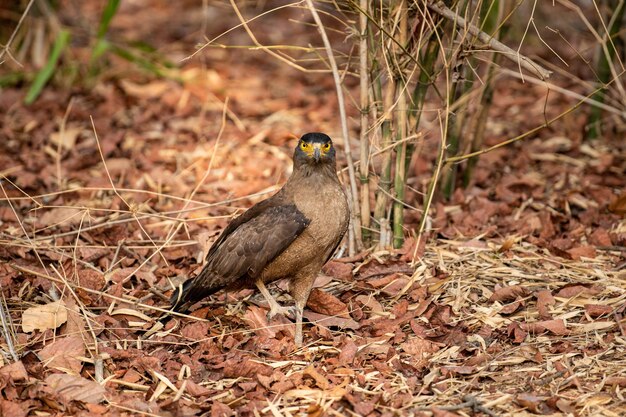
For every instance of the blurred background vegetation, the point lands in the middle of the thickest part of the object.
(409, 71)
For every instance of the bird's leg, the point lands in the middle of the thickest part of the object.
(300, 289)
(275, 308)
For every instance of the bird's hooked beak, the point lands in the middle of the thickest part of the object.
(317, 151)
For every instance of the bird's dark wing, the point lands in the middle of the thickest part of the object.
(253, 244)
(245, 248)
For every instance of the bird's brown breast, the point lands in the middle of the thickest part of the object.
(322, 200)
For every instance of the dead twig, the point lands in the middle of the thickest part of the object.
(521, 60)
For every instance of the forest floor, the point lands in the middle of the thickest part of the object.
(515, 306)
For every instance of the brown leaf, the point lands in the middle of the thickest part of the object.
(618, 206)
(219, 409)
(14, 371)
(619, 381)
(119, 275)
(76, 388)
(450, 371)
(256, 317)
(544, 299)
(330, 321)
(556, 327)
(339, 270)
(508, 293)
(13, 409)
(533, 403)
(63, 353)
(573, 290)
(512, 307)
(320, 380)
(44, 317)
(325, 303)
(598, 310)
(197, 330)
(66, 216)
(348, 352)
(514, 329)
(419, 347)
(600, 237)
(582, 252)
(245, 367)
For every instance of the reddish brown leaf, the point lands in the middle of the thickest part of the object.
(533, 403)
(196, 331)
(618, 206)
(619, 381)
(339, 270)
(573, 290)
(330, 321)
(419, 347)
(325, 303)
(14, 371)
(76, 388)
(514, 329)
(348, 352)
(544, 299)
(556, 327)
(63, 353)
(508, 293)
(512, 307)
(13, 409)
(600, 237)
(256, 317)
(582, 252)
(598, 310)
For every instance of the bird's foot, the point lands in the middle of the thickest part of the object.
(276, 309)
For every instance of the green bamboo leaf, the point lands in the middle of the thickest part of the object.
(47, 71)
(107, 16)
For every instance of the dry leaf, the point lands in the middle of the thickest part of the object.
(257, 320)
(325, 303)
(618, 206)
(66, 216)
(63, 354)
(330, 321)
(597, 310)
(508, 293)
(418, 347)
(544, 299)
(556, 327)
(15, 371)
(67, 138)
(44, 317)
(76, 388)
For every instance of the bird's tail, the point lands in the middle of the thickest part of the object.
(191, 292)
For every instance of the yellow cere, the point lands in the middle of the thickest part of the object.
(309, 148)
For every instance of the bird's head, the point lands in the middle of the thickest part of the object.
(314, 149)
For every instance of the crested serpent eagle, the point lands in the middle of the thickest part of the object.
(290, 235)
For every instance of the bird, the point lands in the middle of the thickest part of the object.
(290, 235)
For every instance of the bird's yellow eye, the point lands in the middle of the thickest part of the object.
(326, 146)
(303, 145)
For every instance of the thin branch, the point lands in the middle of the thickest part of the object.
(19, 24)
(494, 44)
(344, 127)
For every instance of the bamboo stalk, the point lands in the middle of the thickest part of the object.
(607, 54)
(382, 195)
(401, 126)
(356, 242)
(491, 22)
(364, 121)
